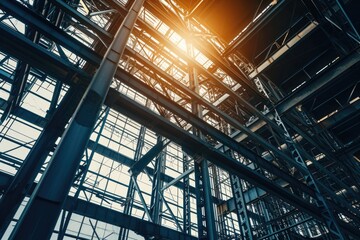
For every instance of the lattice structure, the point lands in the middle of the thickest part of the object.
(167, 119)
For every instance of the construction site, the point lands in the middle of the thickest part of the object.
(180, 119)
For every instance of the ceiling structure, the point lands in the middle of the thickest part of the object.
(224, 119)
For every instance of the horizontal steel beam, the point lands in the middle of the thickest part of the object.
(34, 21)
(324, 79)
(177, 179)
(18, 46)
(339, 117)
(110, 216)
(104, 35)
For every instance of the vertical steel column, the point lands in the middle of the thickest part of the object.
(202, 178)
(209, 208)
(124, 233)
(186, 197)
(40, 215)
(82, 175)
(267, 218)
(25, 176)
(241, 210)
(221, 216)
(54, 99)
(200, 202)
(157, 184)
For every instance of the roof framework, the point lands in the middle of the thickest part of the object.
(236, 120)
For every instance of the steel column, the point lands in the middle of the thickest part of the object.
(40, 215)
(124, 233)
(82, 174)
(157, 184)
(25, 176)
(202, 178)
(241, 210)
(186, 196)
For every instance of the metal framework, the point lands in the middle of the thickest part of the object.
(167, 119)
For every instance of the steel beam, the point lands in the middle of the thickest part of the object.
(81, 174)
(18, 46)
(105, 36)
(139, 165)
(33, 20)
(322, 80)
(129, 202)
(241, 208)
(139, 226)
(177, 179)
(341, 116)
(204, 203)
(186, 196)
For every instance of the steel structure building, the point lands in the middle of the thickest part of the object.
(179, 119)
